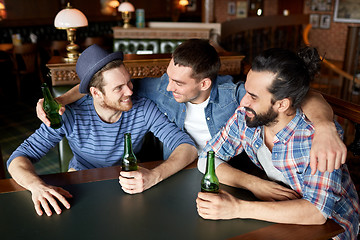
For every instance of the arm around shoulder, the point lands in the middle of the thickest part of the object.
(328, 151)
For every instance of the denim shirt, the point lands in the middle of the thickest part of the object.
(225, 97)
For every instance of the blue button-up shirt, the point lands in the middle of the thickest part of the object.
(225, 97)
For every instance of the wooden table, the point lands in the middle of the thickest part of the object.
(167, 211)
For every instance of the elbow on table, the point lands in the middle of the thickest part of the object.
(317, 219)
(321, 220)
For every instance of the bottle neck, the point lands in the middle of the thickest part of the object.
(127, 145)
(210, 169)
(46, 92)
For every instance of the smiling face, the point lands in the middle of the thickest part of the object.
(117, 89)
(183, 87)
(257, 100)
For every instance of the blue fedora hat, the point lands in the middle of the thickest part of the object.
(92, 60)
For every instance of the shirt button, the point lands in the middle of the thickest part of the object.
(256, 145)
(165, 114)
(208, 118)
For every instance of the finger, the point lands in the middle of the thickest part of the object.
(338, 160)
(41, 113)
(61, 198)
(61, 110)
(127, 181)
(206, 215)
(38, 208)
(313, 163)
(45, 206)
(331, 161)
(64, 193)
(206, 196)
(54, 204)
(204, 205)
(321, 163)
(131, 191)
(127, 174)
(344, 153)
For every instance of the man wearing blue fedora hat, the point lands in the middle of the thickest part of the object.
(198, 100)
(95, 126)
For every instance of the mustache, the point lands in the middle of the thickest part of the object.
(250, 110)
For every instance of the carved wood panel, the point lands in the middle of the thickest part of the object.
(63, 73)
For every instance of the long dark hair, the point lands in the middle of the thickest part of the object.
(293, 72)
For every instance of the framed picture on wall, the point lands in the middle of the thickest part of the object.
(325, 21)
(347, 11)
(321, 5)
(231, 8)
(241, 9)
(314, 20)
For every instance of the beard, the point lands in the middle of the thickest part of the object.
(263, 119)
(117, 106)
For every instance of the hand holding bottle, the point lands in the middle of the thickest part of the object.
(51, 108)
(41, 114)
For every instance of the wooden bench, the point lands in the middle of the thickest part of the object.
(350, 112)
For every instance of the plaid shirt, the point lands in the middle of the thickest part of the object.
(334, 194)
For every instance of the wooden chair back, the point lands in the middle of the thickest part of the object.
(349, 112)
(26, 57)
(26, 61)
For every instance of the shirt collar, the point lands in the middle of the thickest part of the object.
(214, 94)
(285, 134)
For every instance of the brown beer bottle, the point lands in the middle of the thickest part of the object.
(210, 182)
(129, 161)
(51, 107)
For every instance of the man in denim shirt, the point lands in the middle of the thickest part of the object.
(193, 96)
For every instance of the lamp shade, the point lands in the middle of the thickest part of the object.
(70, 18)
(183, 2)
(113, 3)
(126, 7)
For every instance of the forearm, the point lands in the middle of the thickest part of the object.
(182, 156)
(23, 172)
(298, 211)
(317, 110)
(70, 96)
(236, 178)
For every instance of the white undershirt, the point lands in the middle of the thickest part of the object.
(265, 159)
(195, 124)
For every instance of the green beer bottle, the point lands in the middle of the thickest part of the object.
(129, 162)
(210, 182)
(51, 107)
